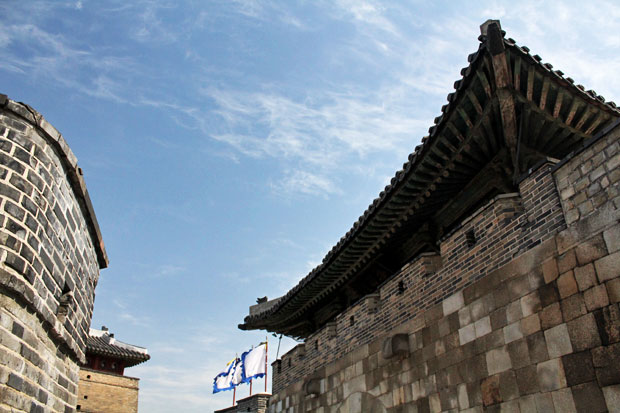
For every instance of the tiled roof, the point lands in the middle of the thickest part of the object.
(578, 122)
(106, 345)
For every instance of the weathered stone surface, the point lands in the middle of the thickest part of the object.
(606, 360)
(578, 368)
(550, 270)
(591, 250)
(567, 285)
(612, 398)
(613, 290)
(583, 333)
(612, 239)
(548, 294)
(608, 267)
(537, 347)
(498, 360)
(563, 401)
(573, 307)
(551, 316)
(589, 398)
(490, 390)
(530, 325)
(550, 375)
(558, 341)
(596, 297)
(507, 342)
(585, 277)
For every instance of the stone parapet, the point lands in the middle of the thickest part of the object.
(256, 403)
(519, 311)
(50, 255)
(502, 229)
(107, 392)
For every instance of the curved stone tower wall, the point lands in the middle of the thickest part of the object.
(50, 255)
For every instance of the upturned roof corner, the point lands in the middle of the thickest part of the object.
(507, 112)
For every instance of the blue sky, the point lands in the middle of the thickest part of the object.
(227, 145)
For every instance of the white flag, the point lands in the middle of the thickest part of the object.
(230, 377)
(254, 362)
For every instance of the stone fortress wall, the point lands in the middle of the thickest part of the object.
(107, 392)
(518, 312)
(51, 252)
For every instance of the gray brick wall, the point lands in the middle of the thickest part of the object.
(504, 228)
(531, 323)
(50, 255)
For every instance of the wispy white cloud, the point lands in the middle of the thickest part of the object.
(319, 133)
(306, 183)
(126, 314)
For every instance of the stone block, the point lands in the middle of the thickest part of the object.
(583, 333)
(606, 360)
(530, 304)
(519, 353)
(567, 285)
(434, 402)
(478, 309)
(596, 297)
(498, 317)
(467, 334)
(558, 341)
(550, 375)
(527, 404)
(573, 307)
(567, 261)
(537, 347)
(544, 402)
(589, 398)
(501, 296)
(453, 303)
(612, 238)
(465, 316)
(508, 388)
(448, 398)
(578, 368)
(585, 277)
(518, 287)
(498, 360)
(514, 312)
(548, 294)
(530, 325)
(608, 268)
(551, 316)
(396, 345)
(482, 327)
(608, 323)
(563, 401)
(489, 388)
(512, 332)
(527, 380)
(612, 398)
(591, 250)
(613, 290)
(550, 270)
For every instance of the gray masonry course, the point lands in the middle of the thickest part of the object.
(540, 331)
(51, 252)
(507, 291)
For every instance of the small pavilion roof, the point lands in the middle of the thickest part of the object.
(102, 343)
(509, 110)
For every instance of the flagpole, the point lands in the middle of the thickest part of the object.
(250, 387)
(234, 385)
(266, 358)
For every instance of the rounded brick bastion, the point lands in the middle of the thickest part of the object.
(51, 252)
